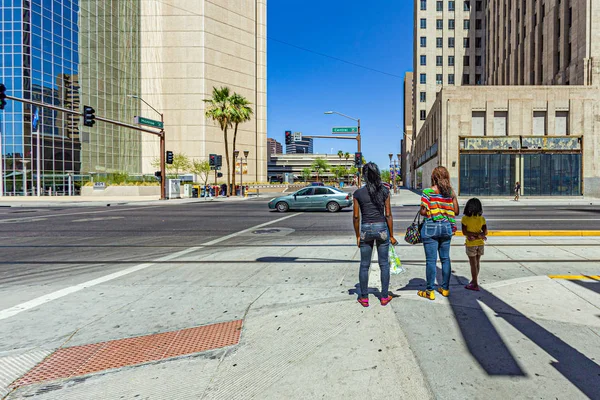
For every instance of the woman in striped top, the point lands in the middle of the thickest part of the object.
(439, 207)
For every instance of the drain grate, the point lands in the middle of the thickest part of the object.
(266, 231)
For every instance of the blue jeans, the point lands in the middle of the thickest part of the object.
(436, 237)
(370, 234)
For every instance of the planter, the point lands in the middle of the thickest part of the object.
(118, 191)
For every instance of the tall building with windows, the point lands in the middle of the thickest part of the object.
(534, 121)
(274, 147)
(304, 146)
(407, 134)
(448, 51)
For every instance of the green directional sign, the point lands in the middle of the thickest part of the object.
(345, 129)
(148, 122)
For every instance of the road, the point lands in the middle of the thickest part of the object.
(78, 276)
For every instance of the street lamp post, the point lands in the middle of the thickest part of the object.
(236, 154)
(400, 165)
(246, 152)
(358, 137)
(163, 174)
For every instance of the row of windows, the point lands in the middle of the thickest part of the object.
(439, 42)
(439, 81)
(439, 24)
(439, 5)
(439, 61)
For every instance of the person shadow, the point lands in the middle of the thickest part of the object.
(491, 352)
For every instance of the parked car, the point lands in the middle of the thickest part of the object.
(317, 184)
(313, 198)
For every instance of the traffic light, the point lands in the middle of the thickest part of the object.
(89, 119)
(357, 159)
(169, 157)
(219, 161)
(2, 96)
(212, 161)
(288, 137)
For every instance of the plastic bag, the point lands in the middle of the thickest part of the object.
(395, 263)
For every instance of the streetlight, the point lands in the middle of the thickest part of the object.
(162, 146)
(358, 132)
(236, 153)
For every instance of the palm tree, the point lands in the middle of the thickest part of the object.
(320, 165)
(340, 154)
(220, 110)
(347, 157)
(241, 113)
(306, 174)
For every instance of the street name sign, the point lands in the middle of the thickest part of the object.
(345, 129)
(148, 122)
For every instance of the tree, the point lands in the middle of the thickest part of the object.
(339, 171)
(181, 163)
(220, 110)
(306, 174)
(340, 154)
(347, 157)
(202, 169)
(241, 113)
(386, 176)
(320, 165)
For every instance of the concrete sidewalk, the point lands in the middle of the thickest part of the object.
(305, 337)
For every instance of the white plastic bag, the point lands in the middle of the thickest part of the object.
(395, 263)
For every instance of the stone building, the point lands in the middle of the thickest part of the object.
(408, 129)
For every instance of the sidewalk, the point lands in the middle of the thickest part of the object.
(305, 337)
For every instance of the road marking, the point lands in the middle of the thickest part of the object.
(521, 219)
(10, 312)
(575, 277)
(19, 222)
(96, 219)
(4, 221)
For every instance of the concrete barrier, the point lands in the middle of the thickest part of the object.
(118, 191)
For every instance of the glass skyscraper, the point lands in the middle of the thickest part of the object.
(68, 53)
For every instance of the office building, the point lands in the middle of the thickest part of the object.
(534, 122)
(67, 53)
(304, 146)
(274, 147)
(407, 134)
(187, 49)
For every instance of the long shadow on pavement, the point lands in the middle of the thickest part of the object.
(487, 347)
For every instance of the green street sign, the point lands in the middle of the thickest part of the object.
(345, 129)
(148, 122)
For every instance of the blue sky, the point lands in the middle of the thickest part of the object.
(303, 85)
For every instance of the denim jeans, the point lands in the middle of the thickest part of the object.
(370, 234)
(436, 237)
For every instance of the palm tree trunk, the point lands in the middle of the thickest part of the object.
(232, 190)
(228, 160)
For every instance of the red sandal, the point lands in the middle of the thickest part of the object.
(385, 300)
(364, 302)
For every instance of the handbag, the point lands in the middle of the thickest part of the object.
(413, 232)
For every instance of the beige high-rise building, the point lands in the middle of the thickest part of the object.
(408, 129)
(448, 49)
(543, 42)
(187, 48)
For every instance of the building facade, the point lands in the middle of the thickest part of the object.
(187, 49)
(407, 139)
(274, 147)
(66, 53)
(304, 146)
(281, 166)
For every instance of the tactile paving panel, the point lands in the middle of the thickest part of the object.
(82, 360)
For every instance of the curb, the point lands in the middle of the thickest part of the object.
(540, 233)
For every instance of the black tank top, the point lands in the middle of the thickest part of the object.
(369, 212)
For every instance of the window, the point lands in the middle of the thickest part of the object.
(500, 123)
(305, 192)
(423, 5)
(466, 61)
(478, 24)
(423, 97)
(570, 16)
(439, 6)
(451, 24)
(562, 123)
(558, 28)
(467, 6)
(478, 123)
(478, 61)
(423, 115)
(439, 61)
(423, 60)
(321, 190)
(478, 42)
(539, 123)
(423, 41)
(423, 78)
(450, 79)
(466, 43)
(439, 24)
(423, 23)
(466, 79)
(451, 5)
(478, 79)
(467, 24)
(451, 42)
(451, 61)
(439, 79)
(479, 6)
(439, 42)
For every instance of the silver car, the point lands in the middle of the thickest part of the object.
(313, 198)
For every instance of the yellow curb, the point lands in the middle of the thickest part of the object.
(539, 233)
(575, 277)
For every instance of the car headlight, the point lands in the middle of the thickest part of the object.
(273, 199)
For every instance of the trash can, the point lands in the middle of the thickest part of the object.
(194, 192)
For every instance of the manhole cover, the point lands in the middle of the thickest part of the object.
(266, 231)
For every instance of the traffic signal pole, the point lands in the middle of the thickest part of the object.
(160, 134)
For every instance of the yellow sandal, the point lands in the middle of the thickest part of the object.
(428, 294)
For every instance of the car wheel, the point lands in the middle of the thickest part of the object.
(332, 206)
(282, 206)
